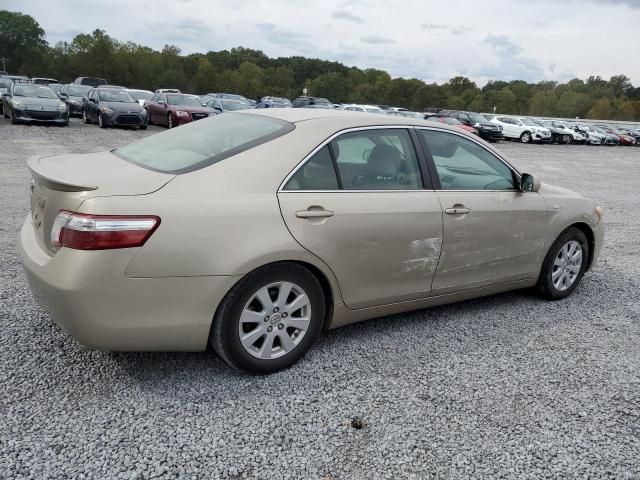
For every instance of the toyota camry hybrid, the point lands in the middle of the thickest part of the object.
(253, 232)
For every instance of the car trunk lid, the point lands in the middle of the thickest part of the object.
(64, 182)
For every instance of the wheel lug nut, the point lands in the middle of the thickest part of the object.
(280, 326)
(266, 319)
(284, 314)
(269, 329)
(276, 310)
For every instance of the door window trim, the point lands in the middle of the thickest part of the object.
(434, 171)
(425, 172)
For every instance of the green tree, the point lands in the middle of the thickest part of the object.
(22, 42)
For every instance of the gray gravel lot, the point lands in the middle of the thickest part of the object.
(508, 386)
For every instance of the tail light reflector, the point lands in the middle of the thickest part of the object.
(82, 231)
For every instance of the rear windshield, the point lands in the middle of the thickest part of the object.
(203, 143)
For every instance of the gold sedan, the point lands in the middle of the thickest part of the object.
(253, 231)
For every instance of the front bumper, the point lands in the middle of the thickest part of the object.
(88, 294)
(44, 116)
(75, 108)
(124, 119)
(490, 134)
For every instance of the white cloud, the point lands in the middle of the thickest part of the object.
(488, 39)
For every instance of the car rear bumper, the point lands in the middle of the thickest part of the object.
(88, 294)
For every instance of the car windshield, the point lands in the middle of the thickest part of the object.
(115, 96)
(29, 90)
(321, 101)
(183, 100)
(529, 122)
(476, 117)
(599, 130)
(140, 94)
(234, 105)
(78, 90)
(375, 110)
(200, 144)
(451, 121)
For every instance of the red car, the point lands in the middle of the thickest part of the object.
(174, 109)
(625, 139)
(455, 122)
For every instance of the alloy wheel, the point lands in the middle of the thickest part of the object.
(526, 137)
(274, 320)
(567, 265)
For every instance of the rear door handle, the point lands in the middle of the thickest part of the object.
(457, 211)
(314, 213)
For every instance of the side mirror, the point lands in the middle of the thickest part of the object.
(162, 102)
(217, 109)
(528, 183)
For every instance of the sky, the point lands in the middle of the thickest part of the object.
(432, 40)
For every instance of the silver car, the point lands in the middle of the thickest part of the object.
(254, 231)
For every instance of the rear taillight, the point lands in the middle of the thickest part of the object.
(101, 232)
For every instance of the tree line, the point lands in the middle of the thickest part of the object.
(253, 74)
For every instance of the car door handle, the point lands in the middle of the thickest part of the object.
(457, 210)
(314, 213)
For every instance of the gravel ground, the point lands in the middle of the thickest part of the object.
(508, 386)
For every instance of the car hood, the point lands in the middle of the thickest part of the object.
(189, 109)
(123, 107)
(40, 102)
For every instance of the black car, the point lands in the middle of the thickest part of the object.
(486, 130)
(113, 107)
(313, 102)
(91, 81)
(28, 102)
(73, 95)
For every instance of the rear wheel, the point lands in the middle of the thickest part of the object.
(525, 137)
(269, 320)
(564, 265)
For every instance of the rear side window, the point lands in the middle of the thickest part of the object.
(318, 173)
(200, 144)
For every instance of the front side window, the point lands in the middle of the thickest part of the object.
(464, 165)
(377, 159)
(200, 144)
(317, 173)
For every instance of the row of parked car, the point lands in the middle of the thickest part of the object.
(96, 101)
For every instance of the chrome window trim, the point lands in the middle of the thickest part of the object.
(386, 127)
(326, 142)
(498, 156)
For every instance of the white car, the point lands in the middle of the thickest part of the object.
(577, 136)
(522, 129)
(364, 108)
(593, 137)
(139, 96)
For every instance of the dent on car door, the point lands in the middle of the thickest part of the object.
(493, 232)
(360, 206)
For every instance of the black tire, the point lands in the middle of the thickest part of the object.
(143, 127)
(545, 286)
(170, 121)
(526, 137)
(101, 122)
(12, 115)
(224, 337)
(85, 118)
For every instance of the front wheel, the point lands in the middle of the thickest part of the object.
(101, 122)
(525, 137)
(170, 121)
(85, 118)
(269, 320)
(564, 265)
